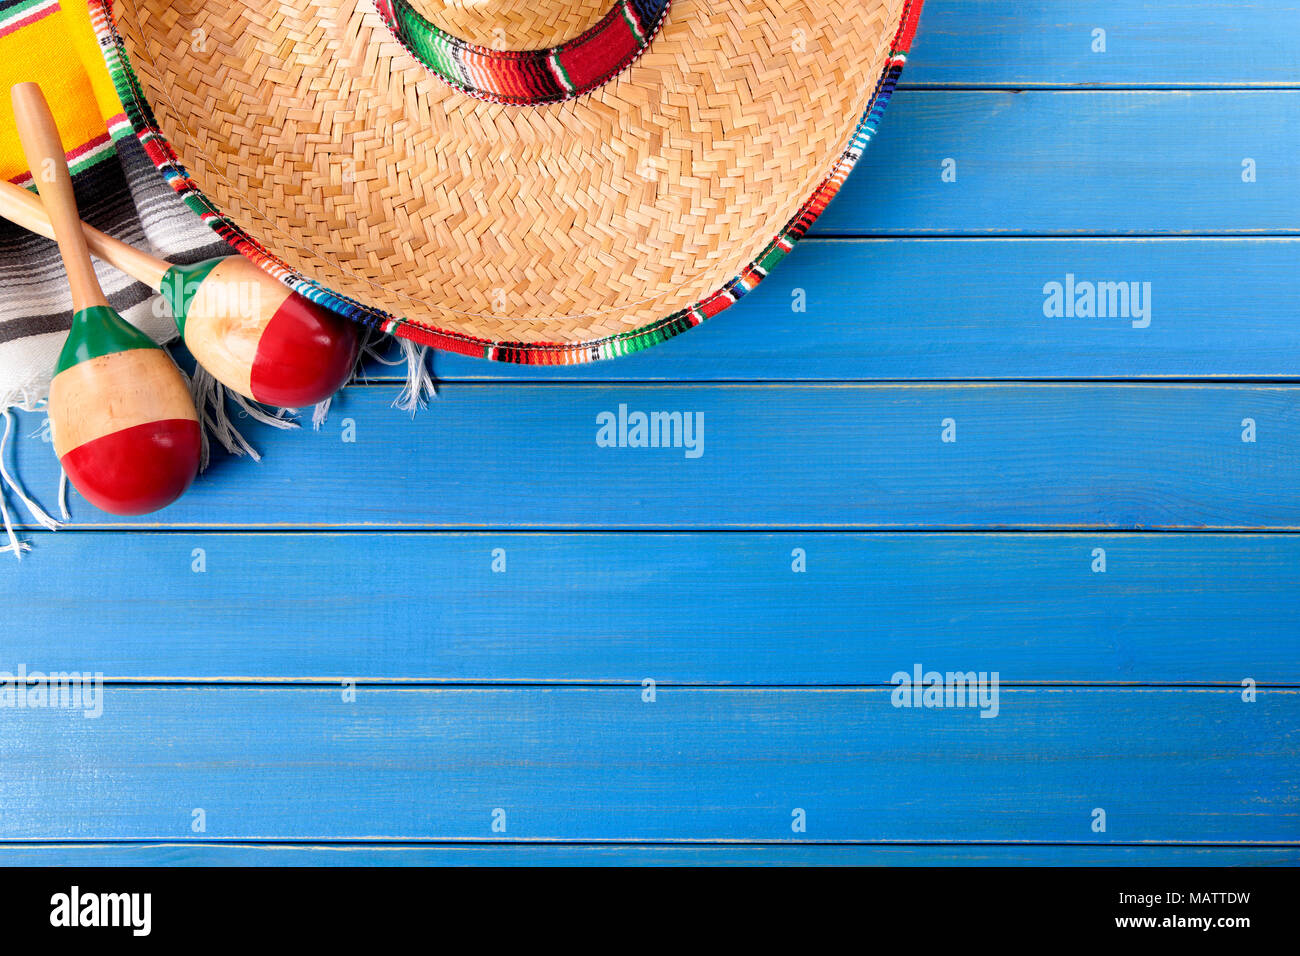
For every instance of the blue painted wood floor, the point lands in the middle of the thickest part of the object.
(1028, 403)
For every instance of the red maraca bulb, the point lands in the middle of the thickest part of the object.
(257, 336)
(123, 423)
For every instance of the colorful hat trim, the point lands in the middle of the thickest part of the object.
(530, 77)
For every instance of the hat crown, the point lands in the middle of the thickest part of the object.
(525, 52)
(513, 24)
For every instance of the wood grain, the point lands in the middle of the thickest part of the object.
(1115, 456)
(631, 854)
(678, 608)
(1097, 152)
(1076, 163)
(1188, 43)
(714, 765)
(918, 309)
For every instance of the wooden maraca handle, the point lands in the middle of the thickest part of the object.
(24, 209)
(43, 148)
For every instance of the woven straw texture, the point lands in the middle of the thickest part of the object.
(522, 24)
(307, 124)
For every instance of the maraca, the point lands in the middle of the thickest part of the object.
(123, 424)
(253, 333)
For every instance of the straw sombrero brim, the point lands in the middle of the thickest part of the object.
(308, 136)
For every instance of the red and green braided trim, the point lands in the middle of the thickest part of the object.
(524, 353)
(530, 77)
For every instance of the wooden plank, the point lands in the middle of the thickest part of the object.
(1191, 43)
(677, 608)
(973, 309)
(1123, 457)
(632, 854)
(1077, 163)
(713, 765)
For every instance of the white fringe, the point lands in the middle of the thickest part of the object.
(371, 346)
(320, 413)
(36, 511)
(214, 419)
(419, 381)
(369, 339)
(63, 494)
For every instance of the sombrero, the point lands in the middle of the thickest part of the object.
(540, 181)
